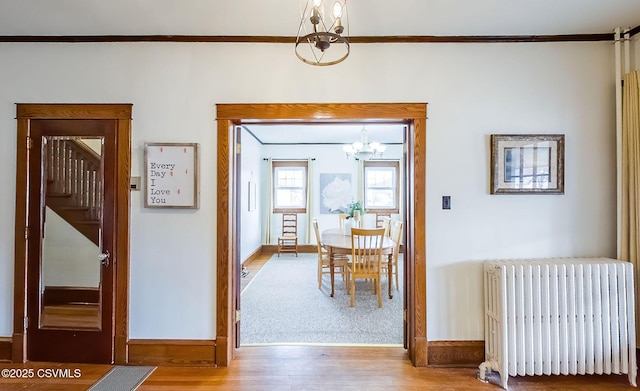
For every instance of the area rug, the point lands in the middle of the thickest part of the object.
(283, 304)
(121, 378)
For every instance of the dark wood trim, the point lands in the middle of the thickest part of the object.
(231, 115)
(483, 38)
(291, 40)
(167, 352)
(416, 241)
(122, 113)
(225, 258)
(123, 205)
(320, 113)
(468, 354)
(634, 31)
(56, 295)
(5, 349)
(19, 346)
(77, 111)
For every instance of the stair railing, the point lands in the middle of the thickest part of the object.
(73, 169)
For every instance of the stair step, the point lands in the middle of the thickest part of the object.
(71, 207)
(87, 222)
(53, 194)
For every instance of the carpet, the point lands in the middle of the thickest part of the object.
(121, 378)
(282, 304)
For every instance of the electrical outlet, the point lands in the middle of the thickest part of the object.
(135, 183)
(446, 202)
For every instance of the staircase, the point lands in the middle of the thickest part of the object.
(74, 184)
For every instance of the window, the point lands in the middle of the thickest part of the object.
(290, 186)
(381, 186)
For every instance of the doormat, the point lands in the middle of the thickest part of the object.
(122, 378)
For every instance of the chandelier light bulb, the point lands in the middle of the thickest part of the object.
(317, 3)
(337, 10)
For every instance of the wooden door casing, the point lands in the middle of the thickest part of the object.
(413, 114)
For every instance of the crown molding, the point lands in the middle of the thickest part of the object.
(291, 40)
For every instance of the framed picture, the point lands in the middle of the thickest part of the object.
(527, 164)
(171, 175)
(335, 193)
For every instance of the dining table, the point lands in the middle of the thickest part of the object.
(336, 242)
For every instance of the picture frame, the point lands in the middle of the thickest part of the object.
(527, 164)
(171, 175)
(335, 192)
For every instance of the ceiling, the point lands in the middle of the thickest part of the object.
(326, 133)
(280, 18)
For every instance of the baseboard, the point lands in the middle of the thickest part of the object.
(56, 295)
(455, 353)
(5, 349)
(172, 352)
(302, 248)
(252, 257)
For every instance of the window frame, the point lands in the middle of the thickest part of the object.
(395, 164)
(290, 163)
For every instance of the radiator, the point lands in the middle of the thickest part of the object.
(564, 316)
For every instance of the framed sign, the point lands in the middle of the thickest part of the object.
(527, 164)
(171, 175)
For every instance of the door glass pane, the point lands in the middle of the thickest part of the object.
(72, 199)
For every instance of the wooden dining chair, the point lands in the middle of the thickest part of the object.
(383, 221)
(288, 241)
(339, 262)
(342, 217)
(395, 233)
(366, 259)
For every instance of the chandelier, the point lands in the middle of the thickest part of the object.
(323, 39)
(363, 150)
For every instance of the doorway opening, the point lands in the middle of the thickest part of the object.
(229, 117)
(281, 302)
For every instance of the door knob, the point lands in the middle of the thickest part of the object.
(104, 258)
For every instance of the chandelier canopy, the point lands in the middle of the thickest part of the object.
(323, 39)
(363, 150)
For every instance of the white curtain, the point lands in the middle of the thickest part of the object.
(269, 209)
(310, 198)
(630, 228)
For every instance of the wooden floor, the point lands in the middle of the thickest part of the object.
(75, 316)
(316, 368)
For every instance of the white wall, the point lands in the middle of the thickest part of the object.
(61, 267)
(329, 159)
(473, 90)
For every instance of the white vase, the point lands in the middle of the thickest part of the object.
(346, 226)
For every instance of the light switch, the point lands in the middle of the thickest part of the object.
(446, 202)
